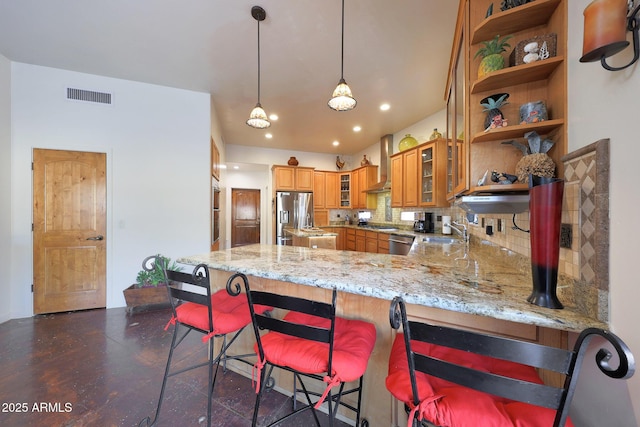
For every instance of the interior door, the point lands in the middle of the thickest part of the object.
(69, 226)
(245, 217)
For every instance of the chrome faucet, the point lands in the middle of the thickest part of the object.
(462, 230)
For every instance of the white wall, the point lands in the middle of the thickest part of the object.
(157, 144)
(5, 187)
(604, 104)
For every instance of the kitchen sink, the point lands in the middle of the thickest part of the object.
(441, 240)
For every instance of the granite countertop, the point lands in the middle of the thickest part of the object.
(309, 232)
(480, 278)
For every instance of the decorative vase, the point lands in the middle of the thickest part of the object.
(365, 161)
(407, 142)
(292, 161)
(533, 112)
(545, 214)
(435, 134)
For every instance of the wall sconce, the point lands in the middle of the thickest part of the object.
(605, 31)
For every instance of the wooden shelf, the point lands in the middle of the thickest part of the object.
(513, 20)
(511, 76)
(517, 131)
(498, 188)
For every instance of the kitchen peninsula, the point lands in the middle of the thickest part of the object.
(481, 287)
(312, 238)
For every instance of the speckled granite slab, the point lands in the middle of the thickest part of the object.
(480, 279)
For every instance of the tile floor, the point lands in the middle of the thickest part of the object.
(104, 368)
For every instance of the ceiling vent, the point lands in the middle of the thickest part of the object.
(88, 96)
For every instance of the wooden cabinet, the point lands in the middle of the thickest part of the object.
(361, 240)
(432, 173)
(332, 195)
(383, 243)
(418, 176)
(350, 239)
(404, 179)
(362, 179)
(371, 241)
(320, 217)
(292, 178)
(319, 190)
(544, 80)
(345, 190)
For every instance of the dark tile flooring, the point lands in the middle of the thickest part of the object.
(105, 367)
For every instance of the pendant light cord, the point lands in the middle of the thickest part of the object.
(342, 46)
(258, 60)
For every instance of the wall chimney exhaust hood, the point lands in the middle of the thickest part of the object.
(386, 148)
(494, 203)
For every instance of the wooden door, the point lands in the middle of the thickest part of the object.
(69, 227)
(319, 190)
(245, 217)
(397, 175)
(332, 195)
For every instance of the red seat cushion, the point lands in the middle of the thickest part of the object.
(448, 404)
(229, 313)
(352, 346)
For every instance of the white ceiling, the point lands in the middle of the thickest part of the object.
(395, 52)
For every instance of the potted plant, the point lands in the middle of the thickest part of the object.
(150, 291)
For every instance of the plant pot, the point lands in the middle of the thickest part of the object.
(146, 298)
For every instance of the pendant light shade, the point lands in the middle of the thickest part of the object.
(342, 98)
(258, 118)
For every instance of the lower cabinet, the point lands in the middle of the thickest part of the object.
(361, 240)
(371, 242)
(383, 243)
(350, 239)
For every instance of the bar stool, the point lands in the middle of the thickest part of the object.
(452, 377)
(195, 309)
(312, 343)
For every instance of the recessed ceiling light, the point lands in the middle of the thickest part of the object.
(223, 166)
(336, 143)
(357, 128)
(236, 167)
(273, 117)
(385, 107)
(268, 135)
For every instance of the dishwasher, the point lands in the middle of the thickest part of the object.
(400, 244)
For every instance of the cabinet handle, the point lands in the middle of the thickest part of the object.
(100, 237)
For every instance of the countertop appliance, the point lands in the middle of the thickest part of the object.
(294, 210)
(424, 223)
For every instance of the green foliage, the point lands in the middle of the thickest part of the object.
(492, 104)
(493, 46)
(155, 276)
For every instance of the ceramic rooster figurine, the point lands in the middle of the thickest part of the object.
(339, 163)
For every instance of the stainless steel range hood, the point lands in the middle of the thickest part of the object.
(494, 203)
(386, 148)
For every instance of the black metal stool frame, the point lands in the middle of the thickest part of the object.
(198, 278)
(566, 362)
(266, 322)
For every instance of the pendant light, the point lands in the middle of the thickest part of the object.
(258, 118)
(342, 99)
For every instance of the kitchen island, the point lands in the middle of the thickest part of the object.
(312, 238)
(479, 286)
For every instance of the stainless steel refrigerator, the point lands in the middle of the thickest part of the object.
(294, 209)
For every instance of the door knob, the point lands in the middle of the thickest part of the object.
(96, 238)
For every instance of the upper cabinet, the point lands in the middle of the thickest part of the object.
(292, 178)
(362, 179)
(543, 22)
(456, 95)
(419, 175)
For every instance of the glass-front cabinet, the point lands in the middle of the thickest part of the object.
(345, 190)
(457, 145)
(426, 175)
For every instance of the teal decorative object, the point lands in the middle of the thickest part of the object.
(407, 142)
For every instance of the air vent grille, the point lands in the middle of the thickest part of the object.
(88, 96)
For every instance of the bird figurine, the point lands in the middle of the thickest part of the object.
(339, 163)
(503, 177)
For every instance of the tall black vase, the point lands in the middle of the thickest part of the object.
(545, 215)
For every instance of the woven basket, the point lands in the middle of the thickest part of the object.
(518, 53)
